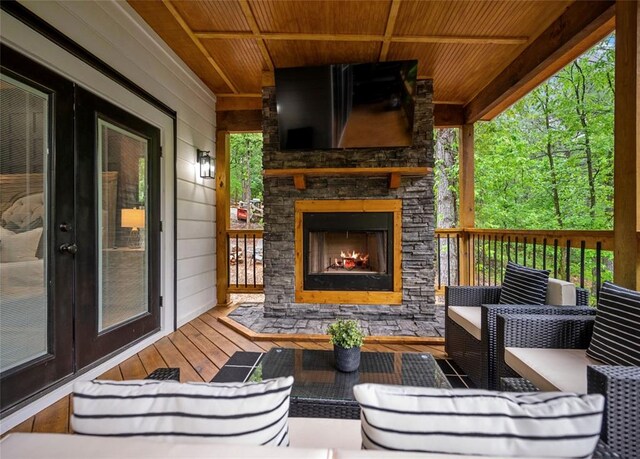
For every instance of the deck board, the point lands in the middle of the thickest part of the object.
(199, 348)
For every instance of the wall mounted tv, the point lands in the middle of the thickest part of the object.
(346, 105)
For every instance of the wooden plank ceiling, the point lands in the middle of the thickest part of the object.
(462, 45)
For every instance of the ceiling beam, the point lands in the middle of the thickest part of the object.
(196, 41)
(248, 14)
(454, 39)
(226, 102)
(391, 23)
(239, 121)
(447, 115)
(583, 24)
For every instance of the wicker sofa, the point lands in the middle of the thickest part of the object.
(550, 352)
(470, 318)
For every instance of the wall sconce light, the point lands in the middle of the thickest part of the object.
(206, 166)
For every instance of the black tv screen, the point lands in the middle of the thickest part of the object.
(346, 105)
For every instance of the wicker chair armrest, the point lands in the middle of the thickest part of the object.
(471, 296)
(544, 331)
(582, 296)
(621, 388)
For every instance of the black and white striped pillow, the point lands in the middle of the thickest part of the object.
(232, 413)
(615, 332)
(479, 422)
(523, 285)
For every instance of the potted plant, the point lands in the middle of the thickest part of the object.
(346, 337)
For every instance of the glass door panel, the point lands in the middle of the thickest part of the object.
(122, 182)
(36, 217)
(118, 228)
(23, 223)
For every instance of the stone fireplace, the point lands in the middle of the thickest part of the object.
(348, 251)
(350, 245)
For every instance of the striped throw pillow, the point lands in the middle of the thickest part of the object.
(232, 413)
(522, 285)
(615, 332)
(479, 422)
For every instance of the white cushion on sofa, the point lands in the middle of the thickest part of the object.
(469, 421)
(63, 446)
(551, 369)
(469, 318)
(232, 413)
(560, 292)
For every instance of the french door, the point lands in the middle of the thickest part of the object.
(79, 228)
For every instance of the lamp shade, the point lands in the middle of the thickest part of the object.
(132, 218)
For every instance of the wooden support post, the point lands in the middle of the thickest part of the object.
(395, 180)
(626, 178)
(467, 216)
(222, 216)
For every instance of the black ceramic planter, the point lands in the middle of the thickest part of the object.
(347, 360)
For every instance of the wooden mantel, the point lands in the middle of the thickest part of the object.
(394, 173)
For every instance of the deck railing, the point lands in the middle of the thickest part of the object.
(582, 257)
(244, 266)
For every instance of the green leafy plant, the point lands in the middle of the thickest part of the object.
(345, 333)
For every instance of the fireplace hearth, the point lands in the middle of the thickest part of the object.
(348, 251)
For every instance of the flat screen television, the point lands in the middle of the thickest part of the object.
(346, 105)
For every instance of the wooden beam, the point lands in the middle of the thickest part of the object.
(582, 25)
(447, 115)
(268, 80)
(395, 180)
(300, 182)
(222, 216)
(239, 121)
(467, 209)
(248, 14)
(454, 39)
(196, 41)
(224, 103)
(626, 176)
(391, 23)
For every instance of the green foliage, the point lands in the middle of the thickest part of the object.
(246, 166)
(345, 333)
(545, 142)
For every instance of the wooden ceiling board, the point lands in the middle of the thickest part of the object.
(242, 62)
(207, 15)
(161, 20)
(488, 18)
(308, 53)
(325, 17)
(458, 70)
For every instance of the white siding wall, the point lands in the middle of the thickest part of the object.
(115, 33)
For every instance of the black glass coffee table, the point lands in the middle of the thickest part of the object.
(319, 390)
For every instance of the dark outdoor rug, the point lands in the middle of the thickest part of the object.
(241, 364)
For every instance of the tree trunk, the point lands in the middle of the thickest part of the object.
(549, 152)
(581, 109)
(447, 201)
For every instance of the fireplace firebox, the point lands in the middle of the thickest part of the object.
(348, 251)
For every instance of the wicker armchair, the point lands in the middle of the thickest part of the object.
(620, 385)
(477, 356)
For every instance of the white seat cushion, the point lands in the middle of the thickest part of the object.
(552, 369)
(325, 433)
(560, 292)
(62, 446)
(469, 318)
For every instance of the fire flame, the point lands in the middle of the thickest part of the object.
(355, 255)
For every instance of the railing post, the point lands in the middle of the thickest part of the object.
(222, 217)
(626, 175)
(467, 201)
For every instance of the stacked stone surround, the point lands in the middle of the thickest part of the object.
(418, 214)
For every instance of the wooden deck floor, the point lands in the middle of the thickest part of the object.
(199, 348)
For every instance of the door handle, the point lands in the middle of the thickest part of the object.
(71, 249)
